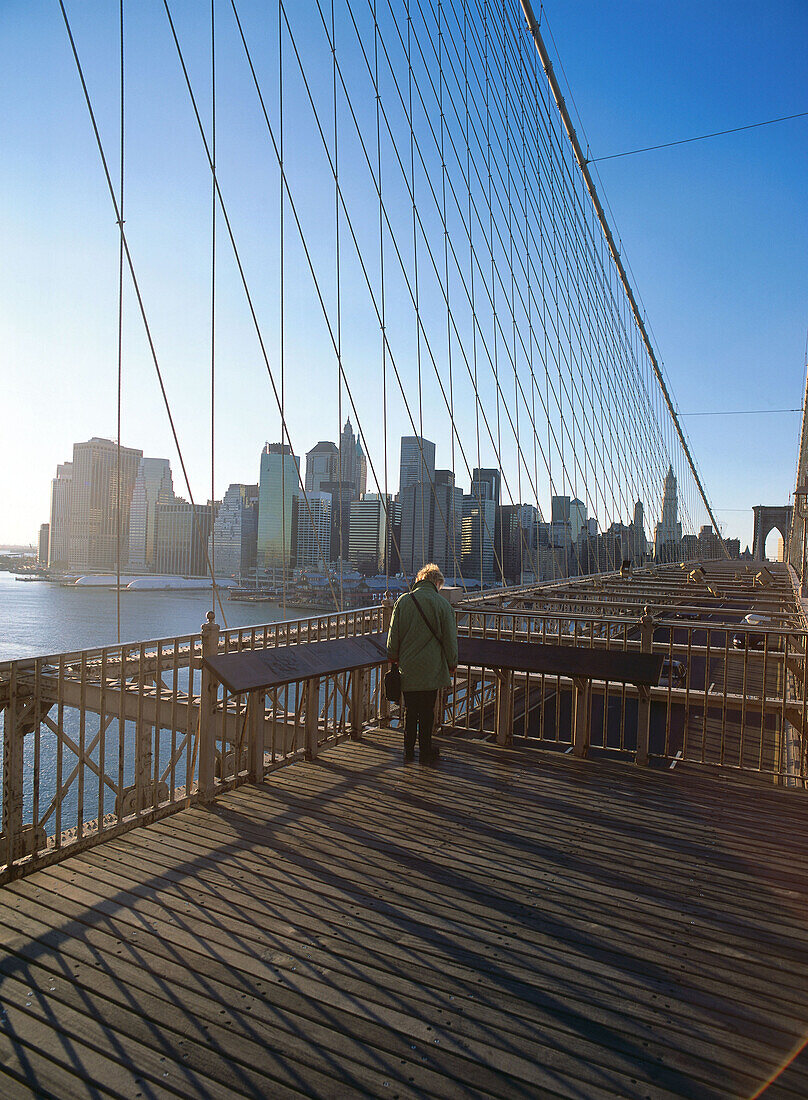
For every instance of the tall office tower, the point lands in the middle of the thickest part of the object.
(342, 494)
(515, 540)
(577, 518)
(668, 532)
(321, 466)
(44, 543)
(417, 526)
(278, 485)
(59, 543)
(638, 541)
(180, 538)
(351, 468)
(709, 543)
(560, 509)
(477, 540)
(361, 469)
(560, 522)
(486, 484)
(152, 484)
(690, 547)
(232, 545)
(312, 531)
(417, 462)
(99, 517)
(447, 524)
(369, 543)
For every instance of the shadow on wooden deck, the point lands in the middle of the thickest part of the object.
(511, 923)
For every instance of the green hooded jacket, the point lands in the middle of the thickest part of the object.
(424, 664)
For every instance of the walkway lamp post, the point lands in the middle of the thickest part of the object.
(801, 508)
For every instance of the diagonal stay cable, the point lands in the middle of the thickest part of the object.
(237, 256)
(136, 286)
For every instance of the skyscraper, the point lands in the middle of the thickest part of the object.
(181, 537)
(351, 466)
(477, 539)
(668, 532)
(370, 532)
(277, 487)
(321, 466)
(639, 543)
(417, 462)
(43, 545)
(59, 543)
(312, 534)
(485, 484)
(417, 525)
(152, 484)
(447, 524)
(232, 545)
(99, 514)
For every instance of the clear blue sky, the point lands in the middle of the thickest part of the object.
(715, 233)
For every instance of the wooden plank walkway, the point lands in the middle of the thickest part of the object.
(510, 923)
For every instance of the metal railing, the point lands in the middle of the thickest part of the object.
(98, 741)
(731, 696)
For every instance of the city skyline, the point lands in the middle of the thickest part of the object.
(53, 335)
(276, 527)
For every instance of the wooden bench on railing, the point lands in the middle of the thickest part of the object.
(580, 664)
(256, 671)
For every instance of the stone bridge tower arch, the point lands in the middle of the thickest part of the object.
(768, 519)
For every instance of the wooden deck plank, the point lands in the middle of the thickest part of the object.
(493, 1065)
(561, 927)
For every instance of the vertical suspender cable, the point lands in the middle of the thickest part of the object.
(424, 540)
(282, 306)
(337, 258)
(120, 343)
(388, 518)
(213, 307)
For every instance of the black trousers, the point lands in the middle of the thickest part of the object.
(420, 717)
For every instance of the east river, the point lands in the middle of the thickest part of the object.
(39, 618)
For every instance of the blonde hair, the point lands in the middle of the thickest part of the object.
(430, 572)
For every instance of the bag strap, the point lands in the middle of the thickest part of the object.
(429, 624)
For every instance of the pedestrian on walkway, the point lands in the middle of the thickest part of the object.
(422, 640)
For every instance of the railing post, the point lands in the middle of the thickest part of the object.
(255, 718)
(208, 716)
(311, 727)
(384, 705)
(504, 715)
(644, 702)
(580, 717)
(358, 682)
(13, 742)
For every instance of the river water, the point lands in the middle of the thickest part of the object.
(38, 618)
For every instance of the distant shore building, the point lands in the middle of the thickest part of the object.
(312, 530)
(59, 541)
(44, 542)
(369, 540)
(321, 466)
(100, 499)
(278, 485)
(181, 538)
(668, 532)
(152, 484)
(233, 543)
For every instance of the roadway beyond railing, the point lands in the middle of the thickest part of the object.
(97, 742)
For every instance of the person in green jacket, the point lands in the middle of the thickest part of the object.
(422, 640)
